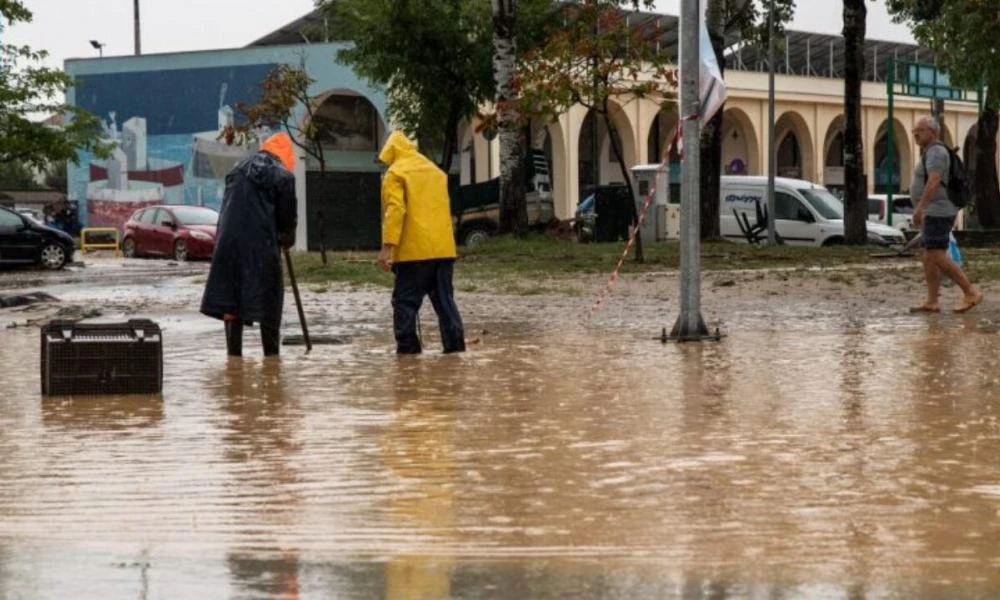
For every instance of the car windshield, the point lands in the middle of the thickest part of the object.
(825, 203)
(195, 215)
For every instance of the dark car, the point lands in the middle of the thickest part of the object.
(179, 231)
(24, 241)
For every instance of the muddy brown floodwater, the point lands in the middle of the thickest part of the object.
(831, 446)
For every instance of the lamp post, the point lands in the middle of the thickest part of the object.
(138, 45)
(772, 235)
(98, 46)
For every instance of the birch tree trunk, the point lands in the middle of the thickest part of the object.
(855, 182)
(513, 207)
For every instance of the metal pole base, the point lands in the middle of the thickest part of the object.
(680, 333)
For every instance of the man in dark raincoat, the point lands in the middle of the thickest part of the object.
(418, 244)
(258, 217)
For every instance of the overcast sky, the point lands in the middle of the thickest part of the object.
(64, 27)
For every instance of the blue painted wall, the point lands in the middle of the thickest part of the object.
(172, 101)
(179, 95)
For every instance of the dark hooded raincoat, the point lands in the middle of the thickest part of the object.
(258, 217)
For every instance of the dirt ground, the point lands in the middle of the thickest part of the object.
(108, 287)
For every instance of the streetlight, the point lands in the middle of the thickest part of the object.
(98, 46)
(772, 235)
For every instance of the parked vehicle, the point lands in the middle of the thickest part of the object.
(476, 207)
(178, 231)
(902, 210)
(806, 213)
(585, 219)
(24, 241)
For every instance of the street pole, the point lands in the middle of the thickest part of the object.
(890, 84)
(690, 326)
(772, 238)
(138, 44)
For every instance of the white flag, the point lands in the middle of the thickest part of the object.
(711, 87)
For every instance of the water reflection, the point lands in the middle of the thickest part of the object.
(93, 413)
(418, 448)
(260, 415)
(856, 460)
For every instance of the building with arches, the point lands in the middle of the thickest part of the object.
(809, 111)
(167, 111)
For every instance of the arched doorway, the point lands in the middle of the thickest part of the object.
(539, 176)
(794, 155)
(342, 202)
(348, 122)
(739, 144)
(898, 177)
(661, 134)
(833, 156)
(946, 138)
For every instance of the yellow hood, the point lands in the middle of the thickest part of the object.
(280, 145)
(396, 147)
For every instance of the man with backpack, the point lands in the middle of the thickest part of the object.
(935, 214)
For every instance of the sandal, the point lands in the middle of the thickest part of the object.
(969, 303)
(924, 308)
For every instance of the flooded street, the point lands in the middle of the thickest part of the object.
(818, 451)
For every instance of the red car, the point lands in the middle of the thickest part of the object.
(182, 232)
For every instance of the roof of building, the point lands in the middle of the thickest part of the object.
(806, 54)
(822, 55)
(307, 28)
(34, 197)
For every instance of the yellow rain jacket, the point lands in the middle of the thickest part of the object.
(416, 210)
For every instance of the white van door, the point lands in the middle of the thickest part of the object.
(793, 220)
(737, 202)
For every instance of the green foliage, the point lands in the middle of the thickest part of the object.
(594, 56)
(16, 176)
(435, 57)
(56, 177)
(27, 90)
(433, 54)
(748, 18)
(962, 35)
(284, 88)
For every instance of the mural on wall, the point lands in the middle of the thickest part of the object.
(166, 125)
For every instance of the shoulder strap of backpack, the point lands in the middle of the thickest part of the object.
(923, 158)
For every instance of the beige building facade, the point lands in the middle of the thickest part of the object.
(809, 115)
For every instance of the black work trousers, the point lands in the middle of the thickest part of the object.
(417, 279)
(270, 338)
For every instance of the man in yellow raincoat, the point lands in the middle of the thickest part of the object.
(418, 244)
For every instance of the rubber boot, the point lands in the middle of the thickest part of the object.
(234, 338)
(270, 338)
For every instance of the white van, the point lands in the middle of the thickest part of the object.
(805, 213)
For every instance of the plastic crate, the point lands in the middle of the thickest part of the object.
(102, 358)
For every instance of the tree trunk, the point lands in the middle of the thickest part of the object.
(513, 206)
(626, 177)
(450, 135)
(711, 134)
(855, 182)
(985, 184)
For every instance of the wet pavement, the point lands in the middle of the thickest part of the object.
(825, 453)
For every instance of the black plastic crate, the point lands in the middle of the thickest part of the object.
(102, 358)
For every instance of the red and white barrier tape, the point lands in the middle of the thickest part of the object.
(621, 261)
